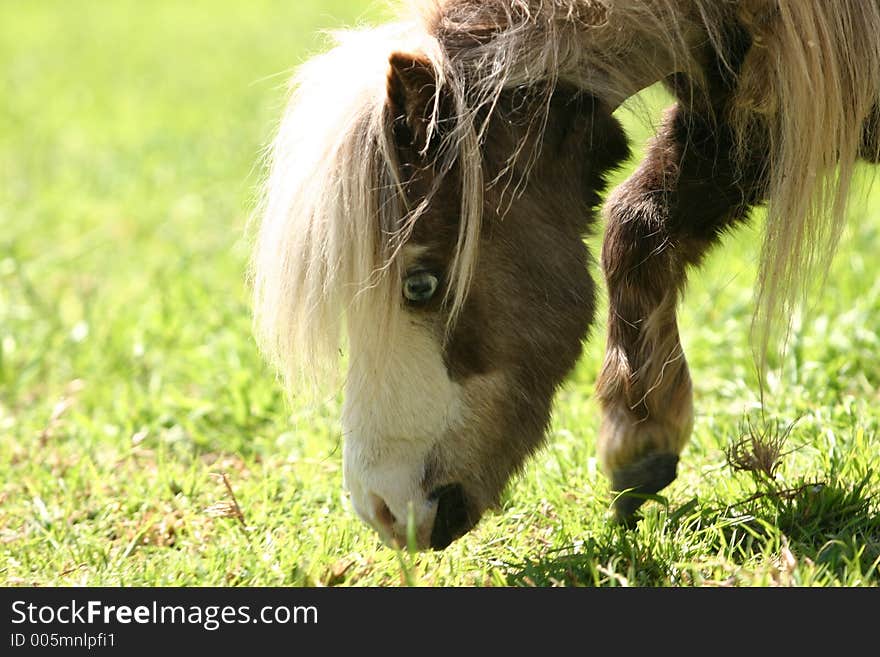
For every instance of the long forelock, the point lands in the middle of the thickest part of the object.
(333, 216)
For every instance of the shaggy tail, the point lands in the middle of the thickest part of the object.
(810, 82)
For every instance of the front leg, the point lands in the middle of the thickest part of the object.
(663, 219)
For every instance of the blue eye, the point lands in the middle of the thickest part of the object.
(420, 286)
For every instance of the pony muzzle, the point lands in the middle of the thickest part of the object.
(433, 522)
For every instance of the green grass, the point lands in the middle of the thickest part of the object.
(129, 382)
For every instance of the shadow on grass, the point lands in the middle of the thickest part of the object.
(617, 560)
(834, 525)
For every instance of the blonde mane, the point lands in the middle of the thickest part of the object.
(333, 218)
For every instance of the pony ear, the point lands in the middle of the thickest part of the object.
(412, 91)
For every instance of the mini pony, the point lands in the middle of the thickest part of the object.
(428, 194)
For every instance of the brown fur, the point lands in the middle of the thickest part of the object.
(663, 219)
(697, 180)
(525, 317)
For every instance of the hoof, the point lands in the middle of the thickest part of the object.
(640, 479)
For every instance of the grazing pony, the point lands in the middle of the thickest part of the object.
(430, 186)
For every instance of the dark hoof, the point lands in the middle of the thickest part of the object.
(639, 480)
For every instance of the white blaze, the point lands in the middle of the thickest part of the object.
(392, 419)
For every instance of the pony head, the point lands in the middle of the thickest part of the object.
(435, 228)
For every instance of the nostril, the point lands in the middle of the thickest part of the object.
(381, 513)
(452, 519)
